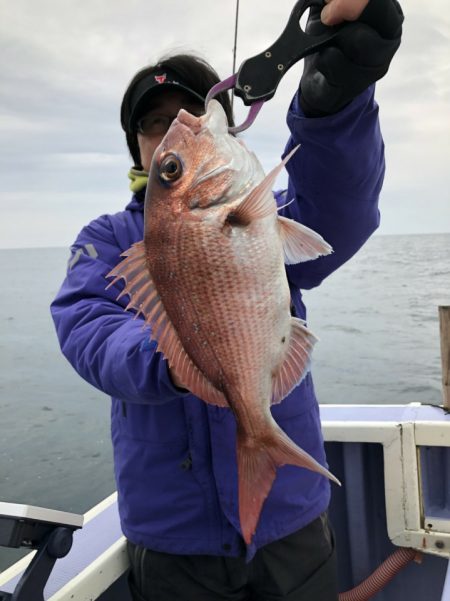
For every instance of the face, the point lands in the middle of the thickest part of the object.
(163, 109)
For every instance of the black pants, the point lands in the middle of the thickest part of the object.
(299, 567)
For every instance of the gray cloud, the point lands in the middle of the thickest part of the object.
(64, 67)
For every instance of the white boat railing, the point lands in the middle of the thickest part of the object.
(98, 557)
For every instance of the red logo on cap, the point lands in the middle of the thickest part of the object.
(161, 78)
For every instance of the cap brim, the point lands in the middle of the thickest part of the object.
(139, 107)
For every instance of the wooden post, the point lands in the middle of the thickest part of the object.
(444, 326)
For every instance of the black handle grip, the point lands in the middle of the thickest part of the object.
(258, 77)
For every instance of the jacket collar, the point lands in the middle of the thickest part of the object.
(137, 202)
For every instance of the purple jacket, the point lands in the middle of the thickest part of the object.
(174, 455)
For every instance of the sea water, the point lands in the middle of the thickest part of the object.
(376, 319)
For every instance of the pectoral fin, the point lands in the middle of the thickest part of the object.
(145, 299)
(260, 202)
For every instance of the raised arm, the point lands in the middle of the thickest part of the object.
(337, 174)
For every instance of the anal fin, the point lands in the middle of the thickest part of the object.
(297, 360)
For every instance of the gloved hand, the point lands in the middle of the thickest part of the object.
(334, 76)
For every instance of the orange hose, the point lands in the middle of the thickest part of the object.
(380, 577)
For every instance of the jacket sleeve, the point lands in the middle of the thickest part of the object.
(105, 344)
(335, 178)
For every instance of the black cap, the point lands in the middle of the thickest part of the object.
(146, 87)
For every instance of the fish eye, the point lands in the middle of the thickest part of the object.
(170, 169)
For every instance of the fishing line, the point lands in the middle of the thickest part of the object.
(233, 70)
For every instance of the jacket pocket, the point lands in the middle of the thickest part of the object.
(158, 424)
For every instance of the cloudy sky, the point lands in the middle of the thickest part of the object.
(64, 65)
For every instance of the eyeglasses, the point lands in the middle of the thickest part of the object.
(157, 125)
(154, 125)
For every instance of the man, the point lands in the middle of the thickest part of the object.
(174, 455)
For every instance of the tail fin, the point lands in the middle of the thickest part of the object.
(258, 460)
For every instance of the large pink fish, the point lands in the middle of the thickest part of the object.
(209, 278)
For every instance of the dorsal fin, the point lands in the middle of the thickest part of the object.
(300, 243)
(297, 360)
(144, 298)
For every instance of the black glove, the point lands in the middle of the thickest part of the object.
(334, 76)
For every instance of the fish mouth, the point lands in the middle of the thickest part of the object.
(193, 122)
(227, 161)
(214, 120)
